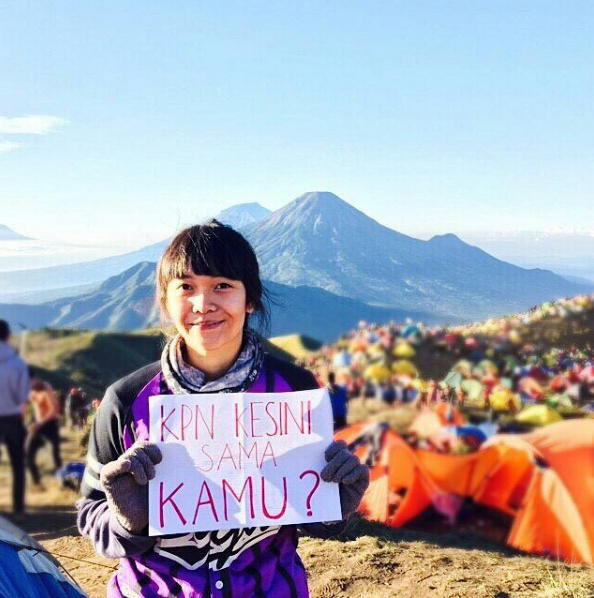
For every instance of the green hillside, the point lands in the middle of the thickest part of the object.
(576, 330)
(94, 360)
(297, 345)
(89, 359)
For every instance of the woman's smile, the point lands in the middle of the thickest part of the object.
(206, 326)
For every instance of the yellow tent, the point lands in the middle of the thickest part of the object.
(357, 345)
(419, 385)
(404, 367)
(504, 400)
(375, 351)
(514, 337)
(377, 372)
(404, 351)
(538, 415)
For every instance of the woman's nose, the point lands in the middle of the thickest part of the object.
(202, 303)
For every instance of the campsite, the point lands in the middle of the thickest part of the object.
(297, 299)
(508, 519)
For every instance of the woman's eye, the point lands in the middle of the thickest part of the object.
(184, 286)
(224, 285)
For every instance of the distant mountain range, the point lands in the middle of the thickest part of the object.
(74, 279)
(320, 240)
(7, 234)
(126, 302)
(67, 277)
(569, 253)
(68, 280)
(331, 264)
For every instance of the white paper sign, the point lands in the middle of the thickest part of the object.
(240, 460)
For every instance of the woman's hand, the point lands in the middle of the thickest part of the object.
(125, 483)
(346, 470)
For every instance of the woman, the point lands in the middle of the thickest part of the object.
(209, 286)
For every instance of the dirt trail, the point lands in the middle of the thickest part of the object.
(370, 560)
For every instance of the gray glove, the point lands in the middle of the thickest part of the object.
(347, 471)
(125, 482)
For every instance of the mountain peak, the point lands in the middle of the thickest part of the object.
(243, 214)
(137, 274)
(320, 199)
(324, 204)
(449, 238)
(7, 234)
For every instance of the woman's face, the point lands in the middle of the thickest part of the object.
(209, 312)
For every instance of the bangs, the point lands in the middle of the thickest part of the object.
(203, 251)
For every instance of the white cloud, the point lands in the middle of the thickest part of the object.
(32, 124)
(6, 146)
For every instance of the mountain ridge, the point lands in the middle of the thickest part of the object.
(126, 302)
(7, 234)
(321, 240)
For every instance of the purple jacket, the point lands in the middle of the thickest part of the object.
(260, 562)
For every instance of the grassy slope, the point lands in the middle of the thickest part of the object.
(94, 359)
(297, 345)
(576, 330)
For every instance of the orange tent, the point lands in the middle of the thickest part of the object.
(531, 387)
(544, 480)
(449, 415)
(398, 490)
(555, 515)
(559, 383)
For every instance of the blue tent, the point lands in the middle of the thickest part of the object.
(28, 573)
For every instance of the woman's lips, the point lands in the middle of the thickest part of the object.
(207, 325)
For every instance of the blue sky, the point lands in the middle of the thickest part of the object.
(430, 116)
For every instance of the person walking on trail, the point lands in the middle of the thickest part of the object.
(14, 394)
(209, 286)
(46, 411)
(76, 408)
(338, 396)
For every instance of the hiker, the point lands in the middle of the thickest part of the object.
(369, 390)
(45, 427)
(14, 394)
(338, 396)
(404, 393)
(76, 408)
(388, 392)
(209, 287)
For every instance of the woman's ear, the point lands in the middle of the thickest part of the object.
(249, 309)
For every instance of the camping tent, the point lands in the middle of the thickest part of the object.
(538, 415)
(27, 571)
(543, 480)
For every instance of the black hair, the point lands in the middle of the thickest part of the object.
(214, 249)
(4, 330)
